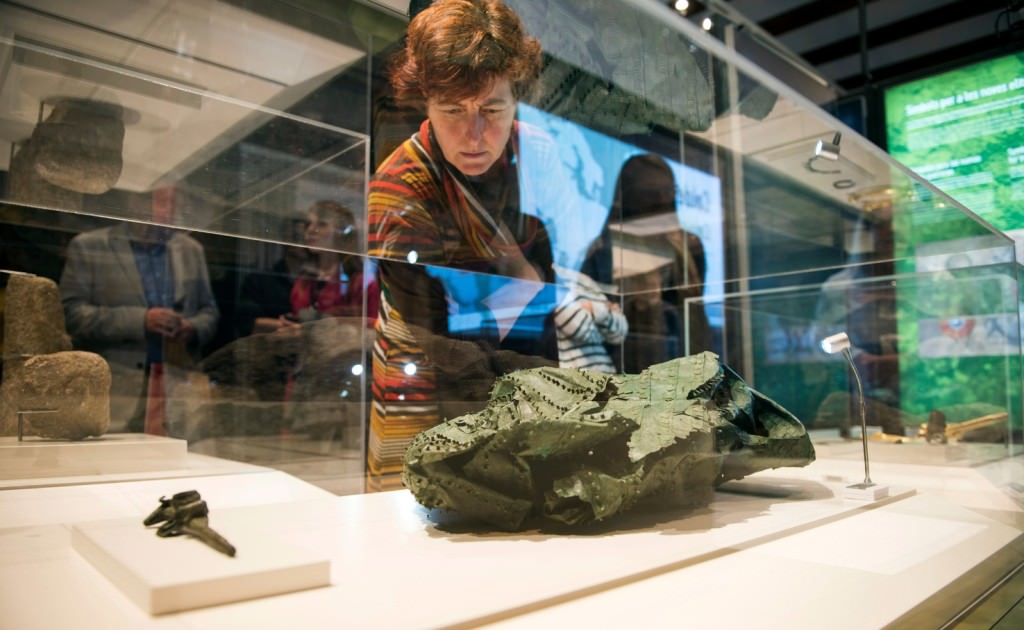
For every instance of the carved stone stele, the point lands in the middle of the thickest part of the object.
(33, 318)
(41, 371)
(75, 384)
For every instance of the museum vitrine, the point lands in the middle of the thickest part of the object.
(188, 194)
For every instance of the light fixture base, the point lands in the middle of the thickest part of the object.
(865, 492)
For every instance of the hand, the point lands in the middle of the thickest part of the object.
(287, 327)
(163, 321)
(186, 331)
(273, 324)
(510, 260)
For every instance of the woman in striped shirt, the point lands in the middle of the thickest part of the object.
(450, 201)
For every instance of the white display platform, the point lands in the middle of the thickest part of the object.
(109, 454)
(164, 575)
(774, 550)
(853, 573)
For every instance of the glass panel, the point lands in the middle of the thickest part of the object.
(185, 175)
(187, 195)
(657, 176)
(952, 323)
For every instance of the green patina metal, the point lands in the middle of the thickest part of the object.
(574, 446)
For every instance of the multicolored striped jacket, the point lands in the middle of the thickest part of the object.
(425, 221)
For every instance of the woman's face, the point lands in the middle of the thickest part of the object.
(319, 231)
(473, 132)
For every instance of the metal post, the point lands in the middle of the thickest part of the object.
(863, 416)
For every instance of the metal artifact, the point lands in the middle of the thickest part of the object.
(187, 513)
(573, 446)
(938, 431)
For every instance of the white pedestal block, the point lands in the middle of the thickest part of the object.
(865, 492)
(108, 454)
(164, 575)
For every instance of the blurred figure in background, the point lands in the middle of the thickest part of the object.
(265, 297)
(655, 303)
(139, 295)
(332, 282)
(327, 302)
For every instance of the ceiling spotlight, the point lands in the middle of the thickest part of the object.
(682, 5)
(828, 150)
(706, 24)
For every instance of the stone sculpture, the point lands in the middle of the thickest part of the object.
(574, 446)
(76, 150)
(187, 513)
(79, 145)
(41, 372)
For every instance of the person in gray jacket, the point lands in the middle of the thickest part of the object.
(139, 295)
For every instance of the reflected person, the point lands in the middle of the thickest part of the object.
(265, 297)
(332, 282)
(655, 306)
(591, 326)
(452, 196)
(139, 295)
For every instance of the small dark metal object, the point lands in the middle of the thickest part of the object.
(21, 419)
(186, 513)
(936, 432)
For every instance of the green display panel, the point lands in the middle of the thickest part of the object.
(964, 131)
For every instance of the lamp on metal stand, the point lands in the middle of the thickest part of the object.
(866, 490)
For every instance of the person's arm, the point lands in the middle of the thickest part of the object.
(609, 320)
(575, 320)
(203, 321)
(421, 299)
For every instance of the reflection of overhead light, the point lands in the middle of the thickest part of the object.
(828, 150)
(412, 257)
(706, 24)
(682, 5)
(409, 369)
(357, 369)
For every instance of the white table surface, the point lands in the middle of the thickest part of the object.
(786, 552)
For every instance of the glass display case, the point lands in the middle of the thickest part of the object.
(188, 193)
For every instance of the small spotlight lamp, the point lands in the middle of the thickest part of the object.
(840, 343)
(828, 150)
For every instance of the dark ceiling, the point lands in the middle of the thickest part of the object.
(904, 37)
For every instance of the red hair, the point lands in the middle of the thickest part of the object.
(458, 48)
